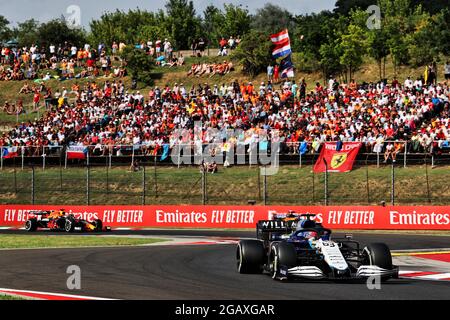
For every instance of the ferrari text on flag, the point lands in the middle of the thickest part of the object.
(337, 161)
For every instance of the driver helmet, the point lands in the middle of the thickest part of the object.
(307, 224)
(307, 235)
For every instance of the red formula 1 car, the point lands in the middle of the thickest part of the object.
(59, 220)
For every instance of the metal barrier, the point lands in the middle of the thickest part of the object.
(44, 155)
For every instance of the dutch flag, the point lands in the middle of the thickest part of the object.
(282, 44)
(280, 37)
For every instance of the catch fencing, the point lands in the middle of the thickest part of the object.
(152, 182)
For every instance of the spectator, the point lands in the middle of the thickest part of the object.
(270, 72)
(447, 70)
(389, 153)
(276, 73)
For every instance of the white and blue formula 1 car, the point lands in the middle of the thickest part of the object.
(295, 246)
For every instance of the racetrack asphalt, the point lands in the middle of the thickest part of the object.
(196, 272)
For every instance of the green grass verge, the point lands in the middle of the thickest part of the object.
(44, 241)
(9, 298)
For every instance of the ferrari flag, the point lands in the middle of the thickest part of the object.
(337, 161)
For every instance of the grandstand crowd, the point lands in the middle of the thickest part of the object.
(106, 116)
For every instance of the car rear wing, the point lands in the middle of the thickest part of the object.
(38, 212)
(267, 226)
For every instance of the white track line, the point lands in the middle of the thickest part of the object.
(49, 294)
(438, 276)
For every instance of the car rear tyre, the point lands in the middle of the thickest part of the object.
(98, 225)
(282, 254)
(377, 254)
(250, 256)
(31, 225)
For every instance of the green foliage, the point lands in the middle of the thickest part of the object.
(212, 19)
(232, 21)
(182, 23)
(423, 44)
(431, 6)
(5, 31)
(331, 50)
(236, 21)
(130, 27)
(272, 19)
(139, 64)
(254, 53)
(354, 48)
(345, 6)
(412, 32)
(57, 32)
(27, 32)
(442, 31)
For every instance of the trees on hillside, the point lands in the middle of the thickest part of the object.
(5, 31)
(139, 64)
(272, 18)
(411, 32)
(57, 32)
(254, 53)
(181, 23)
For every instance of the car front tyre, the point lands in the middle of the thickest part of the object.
(250, 256)
(378, 254)
(31, 225)
(282, 254)
(70, 226)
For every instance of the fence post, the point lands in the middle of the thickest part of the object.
(404, 155)
(367, 180)
(43, 158)
(179, 155)
(88, 195)
(300, 159)
(326, 182)
(265, 186)
(156, 178)
(428, 181)
(143, 185)
(65, 160)
(203, 187)
(392, 184)
(259, 183)
(15, 178)
(32, 185)
(110, 160)
(23, 157)
(378, 159)
(1, 158)
(313, 183)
